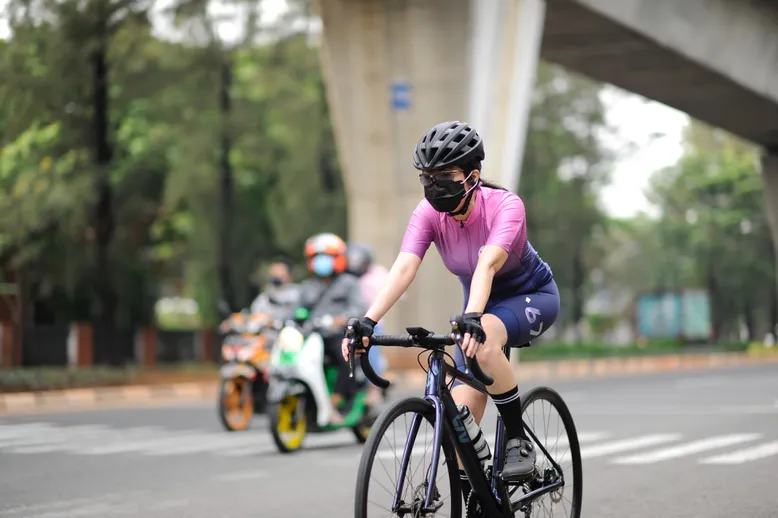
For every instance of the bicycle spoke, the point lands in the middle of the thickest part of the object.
(548, 425)
(417, 479)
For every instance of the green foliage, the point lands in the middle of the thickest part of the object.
(564, 166)
(166, 125)
(601, 323)
(712, 233)
(60, 378)
(585, 350)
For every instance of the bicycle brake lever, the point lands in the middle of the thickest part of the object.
(351, 355)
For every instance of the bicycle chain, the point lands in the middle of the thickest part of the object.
(473, 506)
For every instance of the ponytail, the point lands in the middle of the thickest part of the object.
(476, 164)
(493, 185)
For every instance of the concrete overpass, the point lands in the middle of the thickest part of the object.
(395, 67)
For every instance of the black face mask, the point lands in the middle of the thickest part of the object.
(445, 195)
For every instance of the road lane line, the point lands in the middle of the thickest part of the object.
(689, 448)
(135, 446)
(9, 433)
(207, 442)
(240, 476)
(600, 450)
(62, 439)
(762, 451)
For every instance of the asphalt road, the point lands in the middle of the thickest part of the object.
(682, 445)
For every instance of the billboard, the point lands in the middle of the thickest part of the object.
(673, 315)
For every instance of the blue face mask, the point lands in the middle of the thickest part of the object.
(323, 265)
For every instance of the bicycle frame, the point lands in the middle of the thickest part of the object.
(447, 420)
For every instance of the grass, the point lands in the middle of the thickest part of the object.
(558, 351)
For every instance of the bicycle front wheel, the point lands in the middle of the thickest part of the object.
(547, 415)
(381, 466)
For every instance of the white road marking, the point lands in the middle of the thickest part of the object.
(207, 442)
(608, 448)
(240, 476)
(689, 448)
(139, 445)
(762, 451)
(416, 452)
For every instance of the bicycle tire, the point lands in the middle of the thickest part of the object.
(553, 397)
(404, 406)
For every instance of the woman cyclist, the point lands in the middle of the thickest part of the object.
(510, 296)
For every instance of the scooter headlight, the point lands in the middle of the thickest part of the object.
(290, 340)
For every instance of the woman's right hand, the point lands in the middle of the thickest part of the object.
(362, 329)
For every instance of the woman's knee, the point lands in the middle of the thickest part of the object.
(496, 337)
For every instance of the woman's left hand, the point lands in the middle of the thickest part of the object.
(474, 335)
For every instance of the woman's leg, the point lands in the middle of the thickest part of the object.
(515, 320)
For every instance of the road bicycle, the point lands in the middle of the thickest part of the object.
(491, 496)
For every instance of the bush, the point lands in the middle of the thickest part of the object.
(553, 350)
(54, 378)
(59, 378)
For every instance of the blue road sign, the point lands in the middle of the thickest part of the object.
(401, 95)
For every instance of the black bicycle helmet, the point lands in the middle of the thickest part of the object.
(360, 257)
(446, 144)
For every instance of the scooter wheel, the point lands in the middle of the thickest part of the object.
(288, 424)
(236, 404)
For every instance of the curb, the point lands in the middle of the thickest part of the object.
(568, 370)
(546, 371)
(105, 396)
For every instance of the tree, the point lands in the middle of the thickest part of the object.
(564, 166)
(713, 214)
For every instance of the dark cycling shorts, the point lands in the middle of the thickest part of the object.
(526, 316)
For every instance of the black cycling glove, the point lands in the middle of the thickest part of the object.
(471, 323)
(363, 328)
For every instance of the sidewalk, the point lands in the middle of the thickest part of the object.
(107, 397)
(559, 370)
(544, 371)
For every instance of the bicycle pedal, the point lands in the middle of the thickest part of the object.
(517, 481)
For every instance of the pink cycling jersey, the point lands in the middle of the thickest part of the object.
(498, 218)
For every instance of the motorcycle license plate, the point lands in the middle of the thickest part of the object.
(234, 370)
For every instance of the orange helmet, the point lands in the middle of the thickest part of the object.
(326, 254)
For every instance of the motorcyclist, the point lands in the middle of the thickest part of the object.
(280, 296)
(371, 278)
(335, 292)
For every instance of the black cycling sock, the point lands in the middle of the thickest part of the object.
(509, 406)
(464, 482)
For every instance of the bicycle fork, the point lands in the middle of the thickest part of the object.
(406, 459)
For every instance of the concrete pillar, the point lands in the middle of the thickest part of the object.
(394, 68)
(518, 50)
(770, 182)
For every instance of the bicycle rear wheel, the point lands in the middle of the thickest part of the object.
(384, 450)
(560, 439)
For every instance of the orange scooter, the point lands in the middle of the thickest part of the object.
(245, 350)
